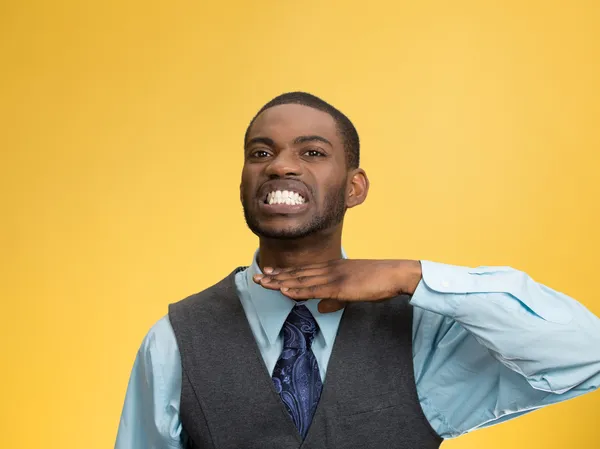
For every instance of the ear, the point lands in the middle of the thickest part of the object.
(358, 188)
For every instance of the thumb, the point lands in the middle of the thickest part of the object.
(330, 305)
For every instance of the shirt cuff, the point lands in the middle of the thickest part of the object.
(442, 288)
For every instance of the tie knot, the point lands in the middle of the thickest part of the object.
(299, 329)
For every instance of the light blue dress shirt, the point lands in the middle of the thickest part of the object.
(489, 344)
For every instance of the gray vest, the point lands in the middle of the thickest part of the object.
(228, 401)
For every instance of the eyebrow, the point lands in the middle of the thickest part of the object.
(297, 141)
(263, 140)
(304, 139)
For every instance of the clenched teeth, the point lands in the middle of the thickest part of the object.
(285, 197)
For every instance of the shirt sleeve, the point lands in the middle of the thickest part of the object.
(150, 417)
(491, 344)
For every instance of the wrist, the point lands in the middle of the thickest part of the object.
(409, 274)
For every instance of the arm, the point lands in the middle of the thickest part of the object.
(491, 344)
(150, 417)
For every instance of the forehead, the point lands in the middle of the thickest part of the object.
(285, 122)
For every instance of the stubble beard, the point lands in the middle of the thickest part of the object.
(334, 211)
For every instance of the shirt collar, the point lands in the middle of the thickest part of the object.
(272, 308)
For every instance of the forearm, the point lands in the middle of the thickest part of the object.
(547, 337)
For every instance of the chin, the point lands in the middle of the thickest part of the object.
(277, 227)
(281, 233)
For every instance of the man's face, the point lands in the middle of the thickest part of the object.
(294, 176)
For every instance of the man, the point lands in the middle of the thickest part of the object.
(393, 354)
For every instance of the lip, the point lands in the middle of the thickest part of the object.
(282, 209)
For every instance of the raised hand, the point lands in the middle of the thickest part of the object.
(342, 280)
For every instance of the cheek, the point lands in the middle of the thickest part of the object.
(247, 181)
(251, 171)
(245, 192)
(336, 193)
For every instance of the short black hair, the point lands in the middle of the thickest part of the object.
(345, 127)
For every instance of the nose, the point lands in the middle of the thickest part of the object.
(283, 164)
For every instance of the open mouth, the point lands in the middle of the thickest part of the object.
(287, 197)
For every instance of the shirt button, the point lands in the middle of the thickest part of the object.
(445, 284)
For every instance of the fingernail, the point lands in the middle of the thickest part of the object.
(265, 280)
(258, 277)
(284, 289)
(268, 270)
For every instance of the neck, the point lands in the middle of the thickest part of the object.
(309, 250)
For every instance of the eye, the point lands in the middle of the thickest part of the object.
(314, 153)
(259, 154)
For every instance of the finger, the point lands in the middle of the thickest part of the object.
(269, 285)
(273, 270)
(261, 278)
(299, 282)
(266, 282)
(322, 291)
(302, 281)
(297, 274)
(330, 305)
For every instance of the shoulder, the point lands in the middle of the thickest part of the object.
(160, 343)
(223, 289)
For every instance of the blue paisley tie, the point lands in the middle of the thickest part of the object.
(296, 375)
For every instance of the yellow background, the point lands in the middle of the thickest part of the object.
(121, 149)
